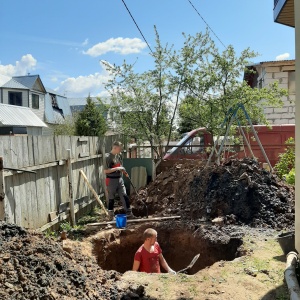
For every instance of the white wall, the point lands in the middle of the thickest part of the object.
(297, 34)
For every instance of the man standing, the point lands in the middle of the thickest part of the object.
(148, 257)
(114, 181)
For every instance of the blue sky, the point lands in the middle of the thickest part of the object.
(63, 41)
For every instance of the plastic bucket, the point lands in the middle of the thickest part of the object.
(121, 221)
(287, 241)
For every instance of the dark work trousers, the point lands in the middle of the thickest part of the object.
(116, 185)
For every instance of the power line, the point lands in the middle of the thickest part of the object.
(206, 23)
(137, 26)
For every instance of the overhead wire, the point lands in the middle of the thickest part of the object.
(206, 23)
(137, 26)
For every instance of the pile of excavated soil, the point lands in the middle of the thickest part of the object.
(35, 267)
(238, 192)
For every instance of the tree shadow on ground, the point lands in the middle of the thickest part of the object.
(280, 293)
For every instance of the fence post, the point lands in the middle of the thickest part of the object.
(2, 193)
(70, 185)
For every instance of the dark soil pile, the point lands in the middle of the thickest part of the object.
(239, 192)
(35, 267)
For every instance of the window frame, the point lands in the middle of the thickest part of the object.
(38, 101)
(15, 98)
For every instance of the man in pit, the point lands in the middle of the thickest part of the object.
(148, 257)
(113, 170)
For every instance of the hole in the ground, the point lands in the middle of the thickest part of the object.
(115, 249)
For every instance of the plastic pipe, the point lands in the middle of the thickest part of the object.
(290, 276)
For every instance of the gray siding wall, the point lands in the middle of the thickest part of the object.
(5, 99)
(39, 112)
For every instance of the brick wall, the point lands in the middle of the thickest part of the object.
(285, 114)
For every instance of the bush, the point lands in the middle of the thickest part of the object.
(290, 178)
(286, 160)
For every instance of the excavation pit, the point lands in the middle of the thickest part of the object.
(115, 249)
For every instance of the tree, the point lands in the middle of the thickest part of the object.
(146, 103)
(90, 121)
(214, 85)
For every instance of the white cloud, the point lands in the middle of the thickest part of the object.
(26, 64)
(118, 45)
(86, 41)
(283, 56)
(81, 86)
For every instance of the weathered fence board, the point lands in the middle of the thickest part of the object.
(30, 197)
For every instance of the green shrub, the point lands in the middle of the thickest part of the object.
(287, 159)
(290, 177)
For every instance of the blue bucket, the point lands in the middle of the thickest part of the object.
(121, 221)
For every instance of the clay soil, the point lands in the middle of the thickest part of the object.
(239, 255)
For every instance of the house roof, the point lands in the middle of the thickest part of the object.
(12, 115)
(274, 62)
(13, 84)
(4, 79)
(51, 91)
(30, 81)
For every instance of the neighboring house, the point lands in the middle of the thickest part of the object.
(57, 107)
(268, 72)
(29, 91)
(77, 105)
(19, 120)
(287, 12)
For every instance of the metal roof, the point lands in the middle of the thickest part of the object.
(12, 115)
(13, 84)
(29, 80)
(51, 91)
(4, 79)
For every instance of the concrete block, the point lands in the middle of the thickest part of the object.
(292, 121)
(269, 110)
(284, 81)
(274, 116)
(268, 81)
(281, 110)
(272, 69)
(281, 121)
(287, 115)
(282, 86)
(269, 76)
(281, 75)
(292, 98)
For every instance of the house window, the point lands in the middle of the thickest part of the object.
(15, 98)
(35, 101)
(292, 83)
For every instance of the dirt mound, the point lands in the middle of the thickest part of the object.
(35, 267)
(237, 192)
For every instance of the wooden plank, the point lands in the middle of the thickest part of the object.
(2, 191)
(63, 216)
(84, 154)
(30, 150)
(70, 185)
(93, 191)
(17, 199)
(83, 139)
(159, 219)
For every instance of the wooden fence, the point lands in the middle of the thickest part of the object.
(42, 197)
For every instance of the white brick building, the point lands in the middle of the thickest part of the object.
(283, 72)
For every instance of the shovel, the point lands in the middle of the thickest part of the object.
(127, 175)
(190, 265)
